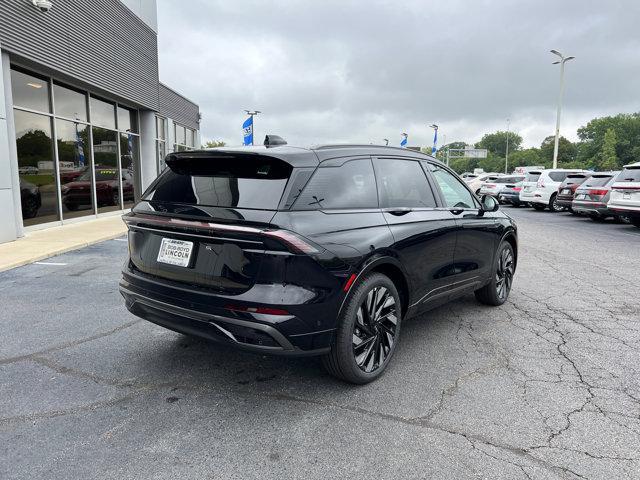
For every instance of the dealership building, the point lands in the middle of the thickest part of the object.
(84, 121)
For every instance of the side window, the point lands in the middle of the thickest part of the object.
(454, 192)
(558, 176)
(351, 185)
(402, 183)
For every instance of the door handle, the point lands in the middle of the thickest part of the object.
(399, 211)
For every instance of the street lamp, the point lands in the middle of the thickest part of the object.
(562, 61)
(434, 149)
(252, 113)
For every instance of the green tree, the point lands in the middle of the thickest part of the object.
(566, 151)
(608, 160)
(214, 144)
(496, 142)
(525, 157)
(627, 130)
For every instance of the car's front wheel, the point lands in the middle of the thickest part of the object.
(368, 331)
(497, 290)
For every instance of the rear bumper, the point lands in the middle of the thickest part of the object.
(510, 198)
(625, 210)
(564, 201)
(591, 208)
(204, 314)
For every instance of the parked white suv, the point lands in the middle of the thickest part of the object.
(475, 183)
(625, 193)
(494, 187)
(546, 189)
(529, 185)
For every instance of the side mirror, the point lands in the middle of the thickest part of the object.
(489, 204)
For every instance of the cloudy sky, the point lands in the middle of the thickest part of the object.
(360, 71)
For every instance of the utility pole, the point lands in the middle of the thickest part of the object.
(562, 61)
(253, 113)
(506, 153)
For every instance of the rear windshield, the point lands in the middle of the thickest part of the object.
(242, 182)
(532, 177)
(574, 179)
(629, 175)
(598, 181)
(508, 179)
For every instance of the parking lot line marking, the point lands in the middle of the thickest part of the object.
(50, 263)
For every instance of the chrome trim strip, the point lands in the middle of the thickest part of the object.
(207, 237)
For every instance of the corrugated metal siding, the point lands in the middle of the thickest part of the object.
(99, 42)
(180, 109)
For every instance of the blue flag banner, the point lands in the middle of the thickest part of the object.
(247, 131)
(403, 142)
(434, 149)
(80, 148)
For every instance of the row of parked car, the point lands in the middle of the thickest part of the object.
(597, 194)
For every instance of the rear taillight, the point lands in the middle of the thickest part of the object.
(517, 189)
(294, 242)
(597, 192)
(540, 184)
(262, 310)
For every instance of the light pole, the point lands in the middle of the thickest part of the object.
(386, 141)
(252, 113)
(562, 61)
(506, 152)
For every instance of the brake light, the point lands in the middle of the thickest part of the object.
(622, 187)
(517, 189)
(263, 310)
(293, 241)
(598, 192)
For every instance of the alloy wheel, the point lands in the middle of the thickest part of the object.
(504, 273)
(375, 328)
(555, 206)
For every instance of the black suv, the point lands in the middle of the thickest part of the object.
(318, 251)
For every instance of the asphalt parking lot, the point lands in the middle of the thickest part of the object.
(546, 386)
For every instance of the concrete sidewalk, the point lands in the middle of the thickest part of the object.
(42, 244)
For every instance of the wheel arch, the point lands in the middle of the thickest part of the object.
(510, 237)
(392, 268)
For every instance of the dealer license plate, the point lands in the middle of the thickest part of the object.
(175, 252)
(566, 191)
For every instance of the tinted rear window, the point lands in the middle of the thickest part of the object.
(508, 179)
(351, 185)
(629, 175)
(574, 179)
(532, 177)
(255, 183)
(598, 181)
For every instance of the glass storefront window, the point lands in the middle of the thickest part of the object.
(127, 120)
(181, 138)
(69, 103)
(73, 168)
(190, 138)
(30, 91)
(129, 158)
(160, 128)
(161, 152)
(38, 190)
(103, 113)
(105, 155)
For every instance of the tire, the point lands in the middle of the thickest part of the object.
(115, 198)
(29, 207)
(358, 363)
(553, 206)
(496, 292)
(597, 218)
(537, 206)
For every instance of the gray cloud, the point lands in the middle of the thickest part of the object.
(336, 71)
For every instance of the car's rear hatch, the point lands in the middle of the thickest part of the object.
(530, 183)
(625, 191)
(206, 220)
(568, 187)
(595, 189)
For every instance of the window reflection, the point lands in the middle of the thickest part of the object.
(103, 113)
(127, 121)
(129, 148)
(105, 154)
(161, 152)
(38, 191)
(73, 168)
(69, 103)
(30, 91)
